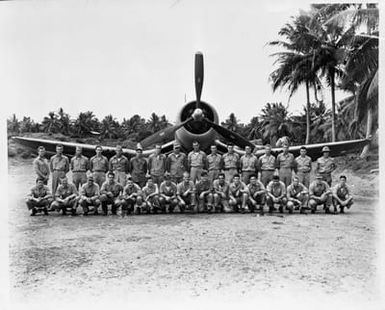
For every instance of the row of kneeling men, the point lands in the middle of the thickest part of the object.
(203, 196)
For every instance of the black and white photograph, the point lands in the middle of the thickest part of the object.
(196, 154)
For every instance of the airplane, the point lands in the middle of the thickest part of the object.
(196, 121)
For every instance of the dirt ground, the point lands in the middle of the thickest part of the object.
(226, 257)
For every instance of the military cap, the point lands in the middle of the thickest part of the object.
(325, 149)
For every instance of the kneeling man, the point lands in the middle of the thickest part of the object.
(89, 196)
(221, 194)
(151, 193)
(186, 194)
(238, 194)
(131, 196)
(168, 194)
(276, 194)
(204, 189)
(257, 194)
(297, 196)
(39, 198)
(66, 197)
(319, 194)
(341, 195)
(110, 194)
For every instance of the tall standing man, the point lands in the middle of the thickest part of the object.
(214, 163)
(119, 165)
(59, 165)
(326, 165)
(267, 166)
(41, 165)
(79, 165)
(176, 164)
(303, 167)
(248, 165)
(99, 166)
(196, 161)
(285, 165)
(138, 168)
(157, 165)
(230, 163)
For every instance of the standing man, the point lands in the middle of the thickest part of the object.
(138, 168)
(196, 161)
(59, 165)
(66, 197)
(176, 164)
(89, 196)
(157, 165)
(303, 167)
(214, 163)
(79, 165)
(119, 165)
(204, 193)
(267, 166)
(230, 163)
(326, 165)
(276, 194)
(39, 198)
(285, 165)
(257, 194)
(99, 166)
(297, 196)
(341, 195)
(110, 193)
(248, 165)
(319, 194)
(41, 165)
(238, 194)
(186, 194)
(221, 194)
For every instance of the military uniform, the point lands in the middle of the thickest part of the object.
(204, 194)
(138, 170)
(91, 193)
(230, 165)
(110, 194)
(45, 199)
(297, 196)
(285, 164)
(67, 193)
(342, 192)
(267, 168)
(221, 196)
(303, 167)
(319, 194)
(238, 195)
(258, 193)
(278, 191)
(197, 161)
(186, 199)
(130, 195)
(325, 167)
(151, 194)
(79, 166)
(168, 195)
(157, 167)
(214, 166)
(248, 166)
(176, 164)
(41, 167)
(99, 168)
(119, 166)
(59, 166)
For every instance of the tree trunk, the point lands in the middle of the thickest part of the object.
(369, 124)
(333, 106)
(307, 141)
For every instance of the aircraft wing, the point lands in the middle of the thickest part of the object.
(88, 149)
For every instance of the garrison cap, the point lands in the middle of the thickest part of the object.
(325, 149)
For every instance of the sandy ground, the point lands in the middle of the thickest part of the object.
(226, 257)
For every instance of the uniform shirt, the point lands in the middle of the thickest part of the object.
(276, 188)
(182, 187)
(223, 188)
(303, 163)
(214, 162)
(59, 163)
(235, 189)
(176, 164)
(293, 191)
(325, 165)
(147, 190)
(79, 163)
(115, 188)
(119, 163)
(253, 188)
(230, 161)
(41, 166)
(37, 192)
(249, 162)
(285, 161)
(317, 189)
(157, 164)
(267, 162)
(341, 191)
(131, 190)
(89, 191)
(138, 166)
(197, 159)
(99, 164)
(168, 190)
(65, 191)
(202, 186)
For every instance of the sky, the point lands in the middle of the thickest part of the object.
(137, 57)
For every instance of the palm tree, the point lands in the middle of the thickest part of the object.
(27, 124)
(134, 127)
(154, 123)
(50, 123)
(231, 123)
(86, 123)
(13, 124)
(64, 122)
(254, 129)
(109, 127)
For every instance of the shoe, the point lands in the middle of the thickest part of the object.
(33, 212)
(45, 211)
(280, 210)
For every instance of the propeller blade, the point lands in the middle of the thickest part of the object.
(198, 78)
(229, 135)
(163, 135)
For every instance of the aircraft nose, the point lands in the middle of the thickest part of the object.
(198, 114)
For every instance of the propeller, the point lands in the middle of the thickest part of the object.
(198, 78)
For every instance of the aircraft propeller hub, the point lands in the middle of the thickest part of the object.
(198, 114)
